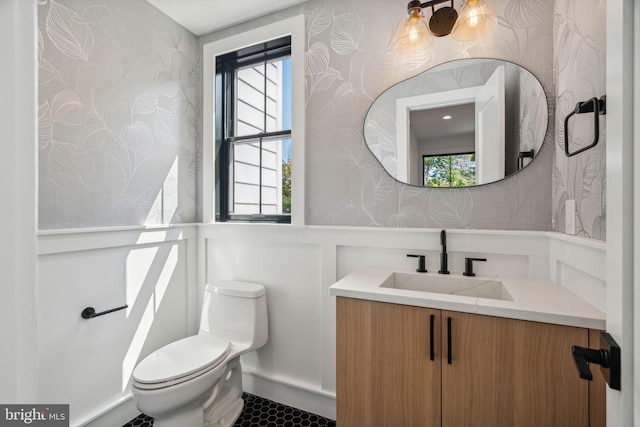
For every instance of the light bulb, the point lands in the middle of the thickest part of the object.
(413, 34)
(473, 18)
(416, 33)
(474, 21)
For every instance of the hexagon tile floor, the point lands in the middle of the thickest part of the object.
(261, 412)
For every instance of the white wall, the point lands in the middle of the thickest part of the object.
(454, 144)
(622, 67)
(88, 363)
(580, 265)
(18, 87)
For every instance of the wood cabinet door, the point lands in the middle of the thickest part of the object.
(354, 391)
(511, 373)
(385, 375)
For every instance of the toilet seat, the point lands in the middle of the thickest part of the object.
(180, 361)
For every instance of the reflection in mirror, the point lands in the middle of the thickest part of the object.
(459, 124)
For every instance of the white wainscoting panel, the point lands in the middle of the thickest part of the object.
(580, 265)
(88, 363)
(161, 273)
(298, 264)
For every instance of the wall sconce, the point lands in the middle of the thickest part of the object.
(473, 21)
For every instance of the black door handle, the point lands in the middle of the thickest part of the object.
(608, 357)
(583, 356)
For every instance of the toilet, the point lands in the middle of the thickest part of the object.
(197, 381)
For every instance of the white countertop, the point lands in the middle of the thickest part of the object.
(533, 299)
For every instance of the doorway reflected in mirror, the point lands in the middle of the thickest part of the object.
(491, 108)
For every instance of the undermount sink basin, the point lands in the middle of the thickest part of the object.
(452, 285)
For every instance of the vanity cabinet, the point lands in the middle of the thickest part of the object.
(409, 366)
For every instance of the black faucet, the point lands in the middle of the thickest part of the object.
(468, 266)
(444, 268)
(421, 263)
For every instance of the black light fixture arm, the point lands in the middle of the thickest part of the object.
(442, 20)
(416, 3)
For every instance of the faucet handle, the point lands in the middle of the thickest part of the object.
(421, 262)
(468, 266)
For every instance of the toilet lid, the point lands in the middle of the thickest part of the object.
(181, 358)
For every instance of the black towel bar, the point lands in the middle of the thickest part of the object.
(596, 106)
(90, 312)
(524, 155)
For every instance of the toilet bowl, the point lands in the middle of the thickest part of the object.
(197, 381)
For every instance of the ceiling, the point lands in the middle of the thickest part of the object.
(204, 16)
(429, 124)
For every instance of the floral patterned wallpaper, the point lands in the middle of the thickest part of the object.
(118, 118)
(580, 65)
(353, 57)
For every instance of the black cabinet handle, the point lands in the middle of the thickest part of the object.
(90, 312)
(449, 356)
(432, 352)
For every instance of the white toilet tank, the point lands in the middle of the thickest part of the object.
(236, 311)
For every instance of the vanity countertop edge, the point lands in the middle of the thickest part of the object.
(534, 299)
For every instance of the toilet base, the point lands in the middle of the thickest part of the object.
(229, 418)
(227, 405)
(190, 417)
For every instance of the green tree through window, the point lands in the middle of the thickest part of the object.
(449, 170)
(286, 185)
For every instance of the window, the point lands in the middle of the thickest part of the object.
(449, 170)
(212, 127)
(253, 133)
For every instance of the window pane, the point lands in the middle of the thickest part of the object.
(247, 152)
(285, 175)
(263, 103)
(261, 177)
(279, 95)
(250, 101)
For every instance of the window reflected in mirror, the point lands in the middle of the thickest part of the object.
(449, 170)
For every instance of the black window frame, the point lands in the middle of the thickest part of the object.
(226, 66)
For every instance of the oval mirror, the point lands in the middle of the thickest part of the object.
(462, 123)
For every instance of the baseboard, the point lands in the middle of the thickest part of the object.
(291, 393)
(115, 415)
